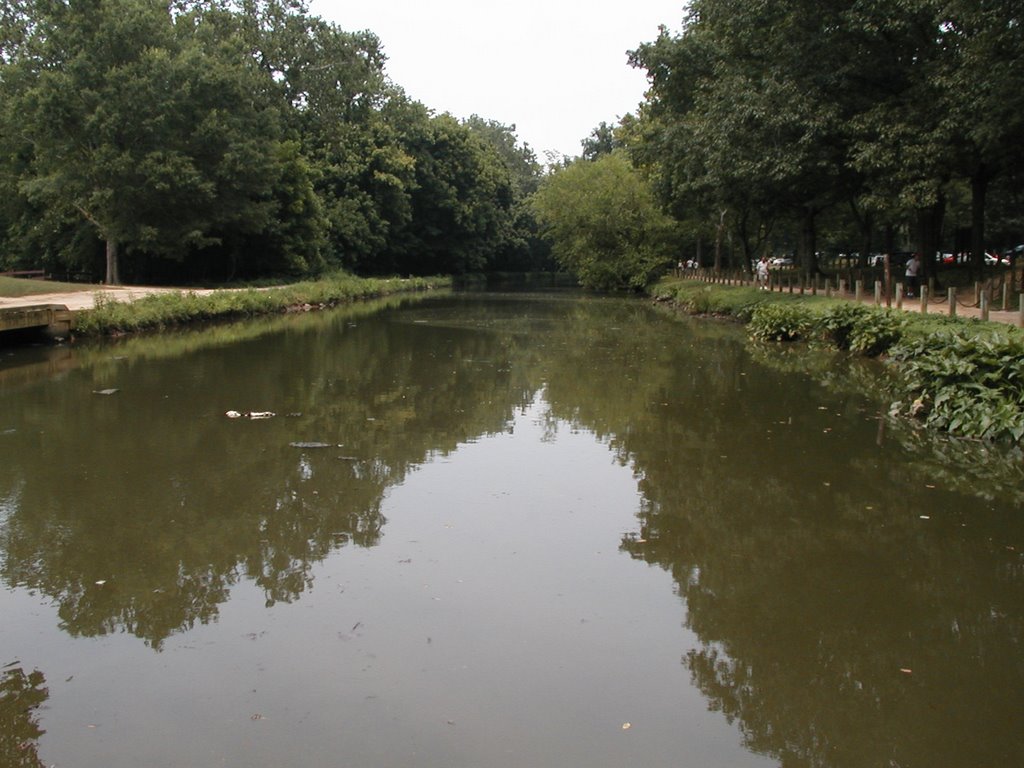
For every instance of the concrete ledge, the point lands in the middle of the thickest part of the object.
(53, 318)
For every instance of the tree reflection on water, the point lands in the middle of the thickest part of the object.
(849, 610)
(20, 696)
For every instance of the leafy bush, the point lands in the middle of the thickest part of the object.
(838, 322)
(968, 385)
(868, 331)
(957, 375)
(781, 322)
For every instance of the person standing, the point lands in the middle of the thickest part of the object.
(762, 273)
(913, 269)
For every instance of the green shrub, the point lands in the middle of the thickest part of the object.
(966, 384)
(958, 375)
(868, 331)
(781, 322)
(838, 322)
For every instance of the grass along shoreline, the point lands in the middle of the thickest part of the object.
(961, 376)
(113, 317)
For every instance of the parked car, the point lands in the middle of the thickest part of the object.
(782, 261)
(995, 260)
(897, 259)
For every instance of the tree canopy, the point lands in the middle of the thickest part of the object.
(208, 140)
(605, 223)
(779, 113)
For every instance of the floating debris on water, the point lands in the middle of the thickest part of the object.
(310, 444)
(250, 414)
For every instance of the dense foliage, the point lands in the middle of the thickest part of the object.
(605, 224)
(963, 383)
(207, 140)
(955, 375)
(203, 140)
(848, 124)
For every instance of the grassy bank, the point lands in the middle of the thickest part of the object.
(961, 376)
(16, 287)
(173, 309)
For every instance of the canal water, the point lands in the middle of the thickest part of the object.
(495, 530)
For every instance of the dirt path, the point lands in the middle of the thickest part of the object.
(77, 300)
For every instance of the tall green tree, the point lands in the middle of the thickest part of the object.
(130, 119)
(333, 95)
(605, 224)
(601, 141)
(521, 248)
(461, 201)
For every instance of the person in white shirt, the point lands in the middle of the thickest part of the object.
(762, 273)
(913, 268)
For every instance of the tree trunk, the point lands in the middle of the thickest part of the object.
(718, 242)
(929, 229)
(866, 230)
(113, 274)
(865, 223)
(979, 188)
(809, 243)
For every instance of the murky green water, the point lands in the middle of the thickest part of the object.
(495, 531)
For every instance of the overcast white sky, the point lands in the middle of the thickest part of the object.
(554, 69)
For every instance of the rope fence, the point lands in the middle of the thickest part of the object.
(995, 293)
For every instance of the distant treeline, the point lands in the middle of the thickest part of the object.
(200, 140)
(206, 140)
(825, 126)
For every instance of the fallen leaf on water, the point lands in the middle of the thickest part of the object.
(626, 726)
(906, 671)
(101, 582)
(104, 391)
(257, 716)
